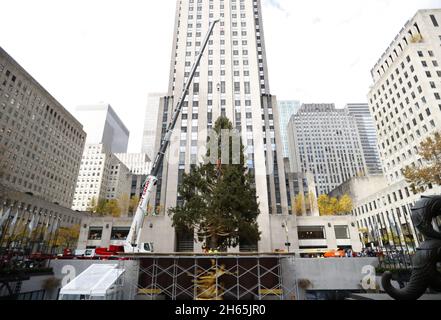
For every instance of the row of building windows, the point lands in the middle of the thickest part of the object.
(38, 140)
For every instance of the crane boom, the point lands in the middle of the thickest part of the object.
(132, 242)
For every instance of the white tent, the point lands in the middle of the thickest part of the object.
(98, 282)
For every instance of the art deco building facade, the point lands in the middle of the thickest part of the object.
(287, 108)
(40, 148)
(102, 176)
(405, 101)
(232, 80)
(368, 136)
(139, 165)
(325, 142)
(103, 126)
(150, 133)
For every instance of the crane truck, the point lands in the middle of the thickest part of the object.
(133, 244)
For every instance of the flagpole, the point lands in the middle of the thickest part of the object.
(1, 217)
(47, 235)
(25, 219)
(26, 239)
(14, 224)
(39, 238)
(5, 219)
(50, 231)
(56, 233)
(30, 227)
(34, 238)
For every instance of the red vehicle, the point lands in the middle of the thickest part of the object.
(67, 254)
(38, 256)
(109, 252)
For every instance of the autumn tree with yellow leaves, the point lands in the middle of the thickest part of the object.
(429, 172)
(133, 204)
(302, 204)
(330, 206)
(298, 205)
(345, 205)
(66, 237)
(104, 207)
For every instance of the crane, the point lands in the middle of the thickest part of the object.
(133, 243)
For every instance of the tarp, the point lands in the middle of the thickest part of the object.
(94, 281)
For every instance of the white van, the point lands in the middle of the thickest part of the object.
(87, 253)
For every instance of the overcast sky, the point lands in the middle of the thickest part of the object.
(90, 51)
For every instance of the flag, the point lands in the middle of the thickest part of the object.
(4, 217)
(55, 225)
(13, 223)
(46, 231)
(31, 225)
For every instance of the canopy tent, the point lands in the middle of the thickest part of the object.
(99, 281)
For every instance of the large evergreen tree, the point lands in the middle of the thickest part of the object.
(219, 200)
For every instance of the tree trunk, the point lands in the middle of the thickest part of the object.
(213, 242)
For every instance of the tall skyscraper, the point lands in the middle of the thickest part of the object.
(406, 96)
(232, 80)
(103, 126)
(368, 136)
(42, 142)
(139, 165)
(102, 176)
(287, 108)
(41, 145)
(325, 141)
(151, 120)
(405, 101)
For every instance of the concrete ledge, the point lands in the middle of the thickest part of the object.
(386, 297)
(335, 273)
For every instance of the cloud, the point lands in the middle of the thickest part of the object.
(317, 50)
(316, 20)
(355, 63)
(276, 4)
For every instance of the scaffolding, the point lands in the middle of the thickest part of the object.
(216, 277)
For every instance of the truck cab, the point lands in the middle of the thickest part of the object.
(147, 247)
(144, 247)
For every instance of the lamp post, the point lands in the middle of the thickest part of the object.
(15, 222)
(21, 240)
(287, 243)
(218, 87)
(31, 243)
(7, 223)
(49, 234)
(57, 221)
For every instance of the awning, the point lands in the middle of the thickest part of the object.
(94, 281)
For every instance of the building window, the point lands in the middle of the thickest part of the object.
(119, 233)
(95, 233)
(237, 87)
(247, 88)
(434, 21)
(341, 232)
(311, 233)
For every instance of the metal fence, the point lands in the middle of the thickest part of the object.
(392, 242)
